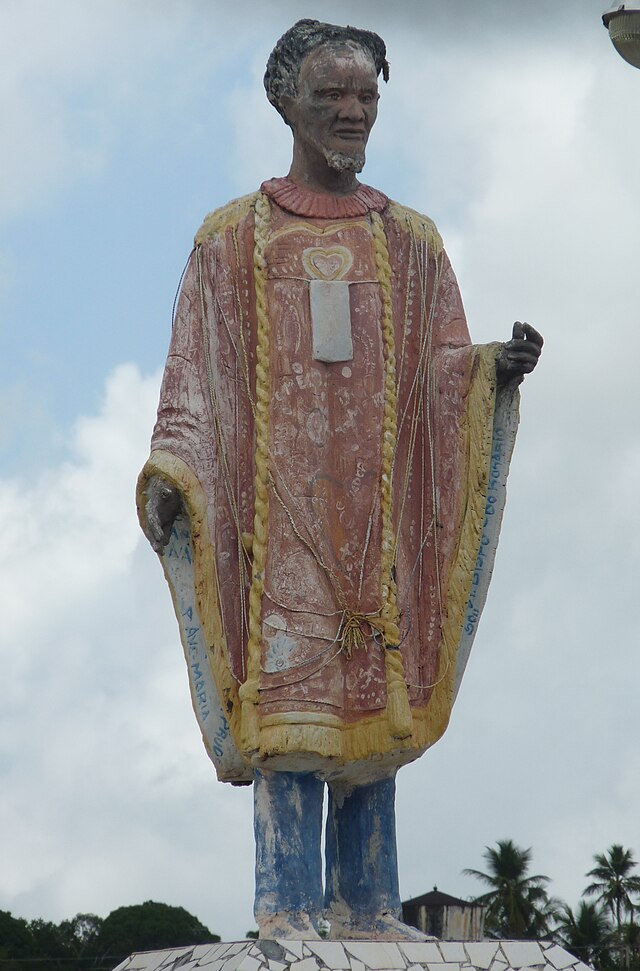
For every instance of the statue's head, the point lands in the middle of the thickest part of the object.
(323, 80)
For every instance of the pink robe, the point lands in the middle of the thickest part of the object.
(322, 699)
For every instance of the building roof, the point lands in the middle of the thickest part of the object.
(435, 898)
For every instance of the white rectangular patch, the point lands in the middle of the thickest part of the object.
(331, 321)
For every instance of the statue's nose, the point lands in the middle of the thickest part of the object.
(352, 109)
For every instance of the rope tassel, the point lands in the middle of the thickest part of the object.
(352, 635)
(398, 708)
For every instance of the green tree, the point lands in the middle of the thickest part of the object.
(631, 944)
(48, 949)
(80, 935)
(148, 927)
(588, 933)
(517, 903)
(15, 940)
(614, 884)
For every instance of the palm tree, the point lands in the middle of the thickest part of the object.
(588, 933)
(631, 943)
(518, 905)
(614, 884)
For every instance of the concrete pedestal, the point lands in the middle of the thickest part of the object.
(359, 956)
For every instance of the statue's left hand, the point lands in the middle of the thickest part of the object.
(162, 507)
(520, 355)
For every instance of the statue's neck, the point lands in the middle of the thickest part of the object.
(311, 171)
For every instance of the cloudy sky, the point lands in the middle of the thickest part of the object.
(515, 126)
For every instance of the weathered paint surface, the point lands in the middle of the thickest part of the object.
(287, 826)
(362, 862)
(320, 706)
(505, 426)
(178, 565)
(361, 881)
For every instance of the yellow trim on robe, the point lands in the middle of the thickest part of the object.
(420, 226)
(217, 221)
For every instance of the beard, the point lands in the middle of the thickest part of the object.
(344, 162)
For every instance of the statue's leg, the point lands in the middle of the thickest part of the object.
(288, 827)
(362, 896)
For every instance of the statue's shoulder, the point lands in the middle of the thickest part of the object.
(416, 224)
(230, 215)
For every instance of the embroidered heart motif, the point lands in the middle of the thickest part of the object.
(331, 263)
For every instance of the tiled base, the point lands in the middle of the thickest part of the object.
(359, 956)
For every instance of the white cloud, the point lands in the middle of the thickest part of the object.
(109, 796)
(69, 513)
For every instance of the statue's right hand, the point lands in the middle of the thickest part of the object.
(163, 505)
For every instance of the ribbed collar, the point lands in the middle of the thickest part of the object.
(322, 205)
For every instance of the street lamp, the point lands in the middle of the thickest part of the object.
(623, 23)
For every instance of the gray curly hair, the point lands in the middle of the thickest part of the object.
(283, 66)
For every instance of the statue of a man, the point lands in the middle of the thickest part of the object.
(325, 489)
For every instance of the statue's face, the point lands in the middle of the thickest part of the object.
(336, 105)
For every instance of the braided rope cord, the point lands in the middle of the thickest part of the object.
(249, 691)
(389, 436)
(398, 710)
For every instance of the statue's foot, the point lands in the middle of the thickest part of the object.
(381, 927)
(289, 925)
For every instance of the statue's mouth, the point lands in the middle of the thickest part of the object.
(351, 134)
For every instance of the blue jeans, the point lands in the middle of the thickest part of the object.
(360, 847)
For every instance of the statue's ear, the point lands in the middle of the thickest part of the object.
(286, 107)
